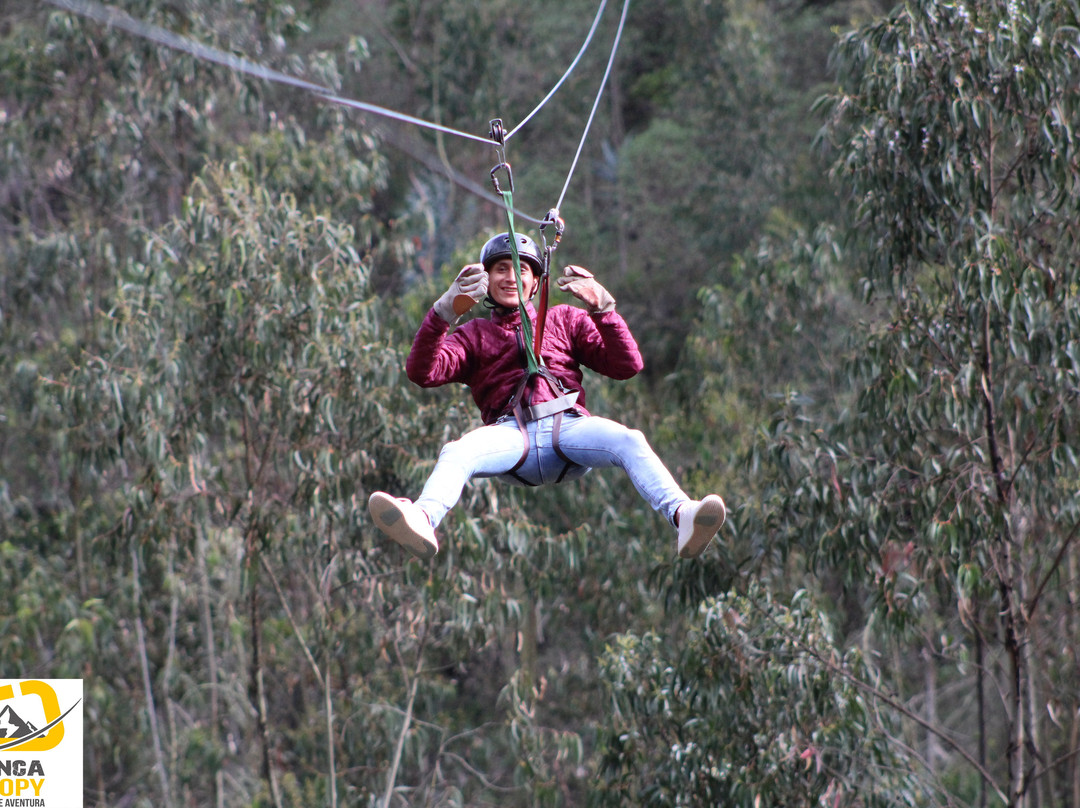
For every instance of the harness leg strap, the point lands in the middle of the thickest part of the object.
(520, 418)
(556, 426)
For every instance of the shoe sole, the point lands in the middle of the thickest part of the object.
(707, 522)
(390, 519)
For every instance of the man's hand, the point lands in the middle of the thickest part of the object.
(468, 288)
(579, 282)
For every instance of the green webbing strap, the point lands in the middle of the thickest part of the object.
(526, 323)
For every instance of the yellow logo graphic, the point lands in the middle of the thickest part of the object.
(18, 735)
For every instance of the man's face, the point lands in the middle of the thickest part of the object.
(502, 285)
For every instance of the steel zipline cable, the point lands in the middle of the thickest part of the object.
(596, 103)
(122, 20)
(566, 75)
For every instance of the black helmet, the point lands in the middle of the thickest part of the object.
(498, 247)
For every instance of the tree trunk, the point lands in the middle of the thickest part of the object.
(1072, 767)
(148, 689)
(933, 752)
(258, 693)
(980, 690)
(211, 650)
(529, 644)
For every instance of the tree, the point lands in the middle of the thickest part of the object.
(755, 707)
(203, 388)
(948, 491)
(232, 370)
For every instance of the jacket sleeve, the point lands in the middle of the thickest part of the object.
(438, 357)
(603, 343)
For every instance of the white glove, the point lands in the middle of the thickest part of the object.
(468, 288)
(579, 282)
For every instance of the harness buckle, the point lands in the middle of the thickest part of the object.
(563, 403)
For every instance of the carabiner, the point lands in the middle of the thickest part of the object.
(554, 218)
(509, 177)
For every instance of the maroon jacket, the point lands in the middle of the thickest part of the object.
(487, 355)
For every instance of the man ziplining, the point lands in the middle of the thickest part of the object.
(536, 428)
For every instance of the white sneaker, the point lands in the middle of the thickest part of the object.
(405, 523)
(698, 523)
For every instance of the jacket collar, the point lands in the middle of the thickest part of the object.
(508, 318)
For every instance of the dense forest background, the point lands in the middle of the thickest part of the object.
(845, 236)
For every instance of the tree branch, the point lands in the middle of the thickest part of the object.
(391, 777)
(894, 704)
(151, 710)
(324, 683)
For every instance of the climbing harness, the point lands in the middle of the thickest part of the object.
(525, 413)
(530, 343)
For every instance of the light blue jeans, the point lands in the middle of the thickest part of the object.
(589, 441)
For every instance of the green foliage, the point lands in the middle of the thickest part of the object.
(974, 378)
(247, 322)
(239, 363)
(209, 287)
(698, 174)
(964, 112)
(940, 491)
(755, 707)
